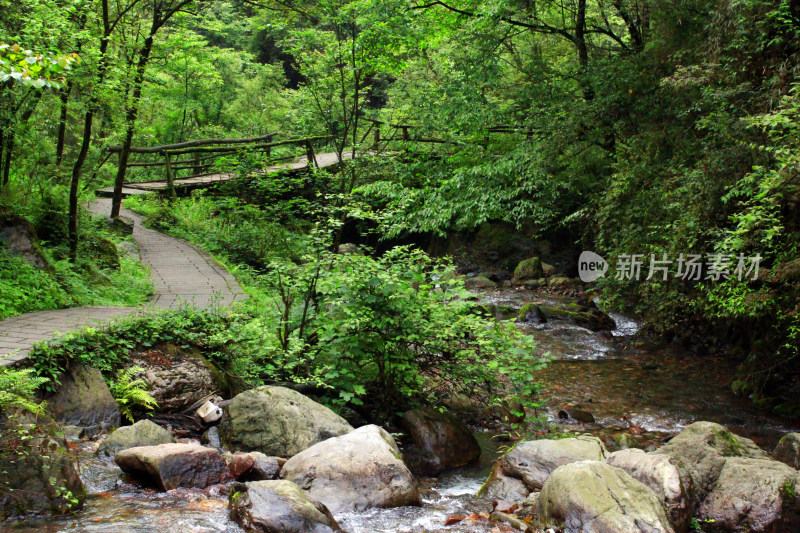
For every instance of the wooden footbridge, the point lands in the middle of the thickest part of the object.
(201, 157)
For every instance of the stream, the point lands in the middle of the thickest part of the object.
(640, 393)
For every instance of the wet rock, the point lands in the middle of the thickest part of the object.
(441, 441)
(26, 474)
(211, 437)
(549, 270)
(753, 496)
(532, 462)
(278, 421)
(788, 450)
(702, 448)
(19, 238)
(142, 433)
(178, 378)
(169, 466)
(528, 269)
(584, 417)
(264, 467)
(585, 317)
(278, 507)
(591, 496)
(356, 471)
(531, 313)
(479, 282)
(665, 476)
(84, 399)
(238, 463)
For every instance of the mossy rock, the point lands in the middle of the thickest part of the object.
(103, 251)
(19, 238)
(528, 269)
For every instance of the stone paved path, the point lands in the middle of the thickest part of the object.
(181, 273)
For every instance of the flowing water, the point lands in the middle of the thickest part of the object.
(643, 392)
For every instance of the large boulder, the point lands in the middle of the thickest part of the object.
(479, 282)
(168, 466)
(753, 496)
(663, 475)
(532, 462)
(788, 450)
(38, 476)
(528, 269)
(278, 507)
(356, 471)
(278, 421)
(595, 497)
(178, 378)
(440, 440)
(702, 448)
(84, 399)
(19, 238)
(142, 433)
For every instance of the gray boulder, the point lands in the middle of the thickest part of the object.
(479, 282)
(532, 462)
(169, 466)
(84, 399)
(278, 507)
(663, 475)
(702, 448)
(356, 471)
(179, 378)
(788, 450)
(142, 433)
(753, 496)
(278, 421)
(441, 441)
(19, 238)
(595, 497)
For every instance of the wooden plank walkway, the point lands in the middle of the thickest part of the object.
(324, 160)
(182, 274)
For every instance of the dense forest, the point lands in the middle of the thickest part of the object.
(459, 144)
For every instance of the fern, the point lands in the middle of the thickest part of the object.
(130, 393)
(18, 389)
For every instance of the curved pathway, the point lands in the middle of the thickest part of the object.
(181, 274)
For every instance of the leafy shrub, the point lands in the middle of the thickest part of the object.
(131, 393)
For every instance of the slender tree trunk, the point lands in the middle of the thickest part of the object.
(133, 111)
(8, 148)
(583, 51)
(62, 124)
(88, 119)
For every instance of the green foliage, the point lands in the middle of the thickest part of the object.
(131, 393)
(31, 69)
(18, 388)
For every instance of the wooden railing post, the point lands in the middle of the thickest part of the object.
(312, 161)
(170, 177)
(196, 163)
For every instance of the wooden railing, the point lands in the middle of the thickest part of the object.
(215, 148)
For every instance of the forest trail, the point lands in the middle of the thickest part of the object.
(181, 273)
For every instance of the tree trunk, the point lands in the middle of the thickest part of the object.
(133, 111)
(62, 124)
